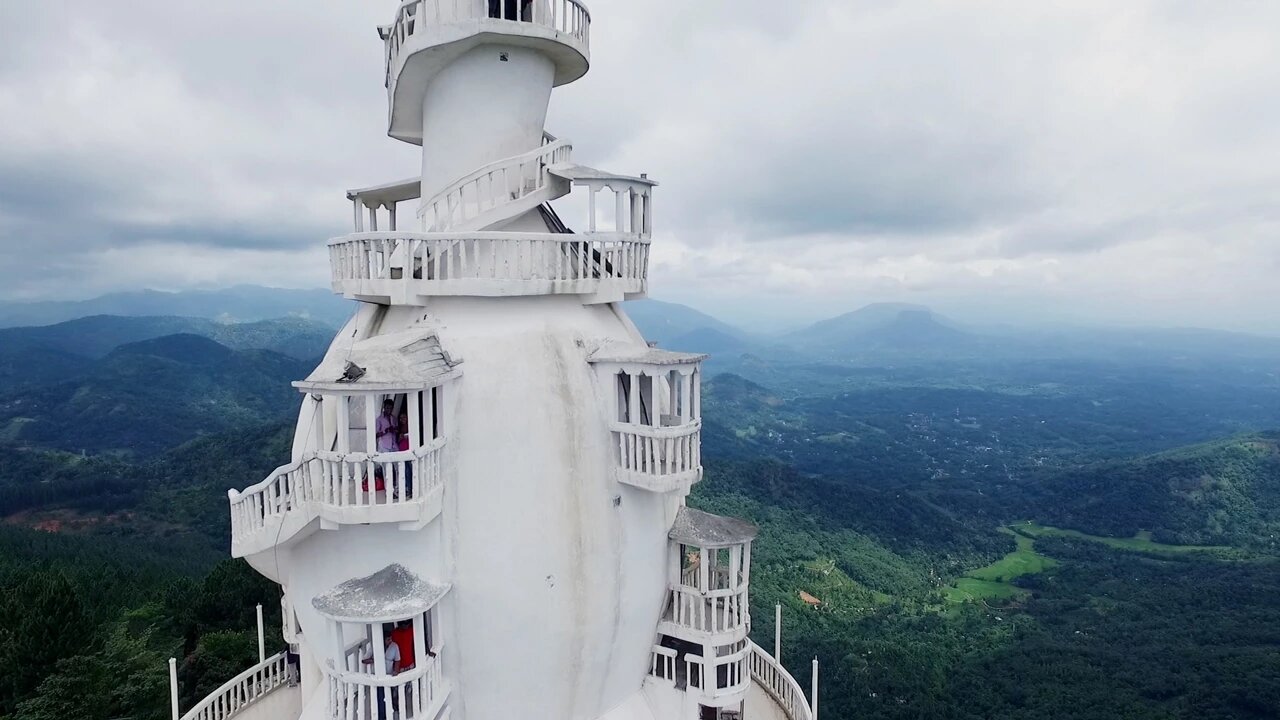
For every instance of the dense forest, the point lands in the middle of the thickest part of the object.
(1022, 538)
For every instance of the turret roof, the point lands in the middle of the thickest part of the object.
(695, 527)
(390, 594)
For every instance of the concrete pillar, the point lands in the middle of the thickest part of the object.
(777, 633)
(813, 699)
(173, 687)
(262, 637)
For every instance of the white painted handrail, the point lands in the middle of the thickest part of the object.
(331, 480)
(769, 674)
(662, 663)
(355, 695)
(406, 265)
(718, 612)
(648, 455)
(704, 673)
(242, 691)
(493, 187)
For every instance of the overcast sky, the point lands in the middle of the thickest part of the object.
(1106, 161)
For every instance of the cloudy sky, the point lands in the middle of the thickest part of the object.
(1069, 161)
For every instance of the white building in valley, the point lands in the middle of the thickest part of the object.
(484, 514)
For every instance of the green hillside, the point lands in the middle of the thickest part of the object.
(1225, 492)
(148, 396)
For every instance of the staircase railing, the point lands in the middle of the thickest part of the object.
(493, 187)
(769, 674)
(242, 691)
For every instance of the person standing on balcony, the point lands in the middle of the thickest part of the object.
(388, 433)
(391, 652)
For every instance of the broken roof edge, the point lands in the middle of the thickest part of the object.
(695, 527)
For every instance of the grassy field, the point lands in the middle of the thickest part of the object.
(967, 589)
(994, 581)
(1141, 542)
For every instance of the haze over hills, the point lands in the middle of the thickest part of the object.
(871, 334)
(242, 303)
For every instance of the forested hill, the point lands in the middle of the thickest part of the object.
(1225, 492)
(144, 397)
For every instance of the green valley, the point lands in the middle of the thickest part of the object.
(1012, 537)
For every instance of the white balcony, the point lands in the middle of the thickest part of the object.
(659, 459)
(691, 614)
(335, 489)
(416, 693)
(428, 34)
(408, 268)
(770, 692)
(656, 406)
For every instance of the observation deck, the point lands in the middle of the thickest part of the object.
(429, 34)
(458, 253)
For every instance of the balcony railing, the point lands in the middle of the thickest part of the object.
(662, 663)
(567, 20)
(720, 612)
(721, 677)
(416, 693)
(660, 459)
(242, 691)
(499, 186)
(769, 674)
(402, 267)
(338, 487)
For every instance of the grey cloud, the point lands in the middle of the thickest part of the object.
(1004, 148)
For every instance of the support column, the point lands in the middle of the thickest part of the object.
(415, 419)
(173, 687)
(697, 393)
(262, 637)
(813, 700)
(371, 413)
(339, 648)
(420, 640)
(777, 633)
(634, 399)
(379, 651)
(344, 423)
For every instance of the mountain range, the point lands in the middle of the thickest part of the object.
(242, 303)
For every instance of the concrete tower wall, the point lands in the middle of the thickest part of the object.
(488, 104)
(558, 570)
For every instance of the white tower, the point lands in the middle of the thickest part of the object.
(490, 465)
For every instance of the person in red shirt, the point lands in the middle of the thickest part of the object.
(402, 636)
